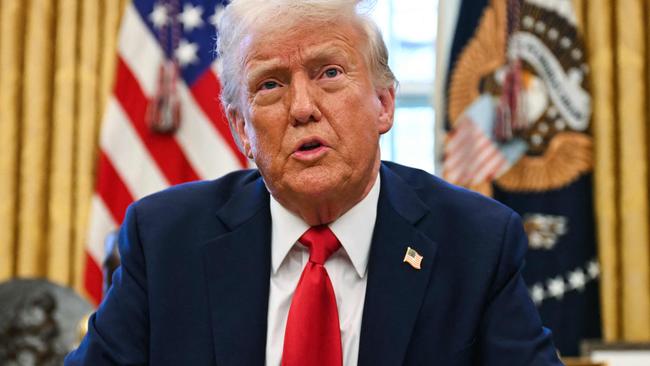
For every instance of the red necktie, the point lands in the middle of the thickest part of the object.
(312, 336)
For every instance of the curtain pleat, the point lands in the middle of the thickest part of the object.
(61, 204)
(632, 120)
(11, 33)
(579, 8)
(600, 47)
(35, 138)
(88, 117)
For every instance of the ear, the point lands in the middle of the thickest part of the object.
(387, 100)
(237, 125)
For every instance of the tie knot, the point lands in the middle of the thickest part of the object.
(321, 242)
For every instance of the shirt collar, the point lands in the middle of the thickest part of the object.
(353, 229)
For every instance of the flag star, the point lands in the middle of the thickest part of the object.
(537, 294)
(191, 17)
(186, 53)
(215, 19)
(159, 16)
(577, 279)
(556, 287)
(593, 269)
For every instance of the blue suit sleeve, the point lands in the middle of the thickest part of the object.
(511, 330)
(117, 332)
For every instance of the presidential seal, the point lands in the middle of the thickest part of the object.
(519, 104)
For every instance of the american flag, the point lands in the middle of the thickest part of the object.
(165, 54)
(413, 258)
(472, 155)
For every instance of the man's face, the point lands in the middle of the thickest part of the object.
(310, 115)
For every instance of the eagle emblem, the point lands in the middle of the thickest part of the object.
(519, 104)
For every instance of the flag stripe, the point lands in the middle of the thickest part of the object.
(470, 155)
(491, 170)
(463, 145)
(204, 147)
(93, 280)
(462, 158)
(163, 148)
(470, 174)
(457, 136)
(102, 224)
(142, 53)
(111, 188)
(456, 163)
(206, 92)
(490, 167)
(482, 153)
(128, 155)
(465, 141)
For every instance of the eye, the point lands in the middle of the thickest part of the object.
(270, 84)
(332, 72)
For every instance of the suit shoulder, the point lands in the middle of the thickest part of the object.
(451, 199)
(209, 195)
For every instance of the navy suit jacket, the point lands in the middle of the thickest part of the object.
(196, 261)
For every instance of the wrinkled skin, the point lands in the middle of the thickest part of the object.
(310, 116)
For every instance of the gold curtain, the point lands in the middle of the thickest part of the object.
(616, 33)
(57, 60)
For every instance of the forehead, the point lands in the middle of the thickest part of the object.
(302, 43)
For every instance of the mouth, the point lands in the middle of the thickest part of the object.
(310, 148)
(309, 144)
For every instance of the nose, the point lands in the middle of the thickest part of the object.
(303, 106)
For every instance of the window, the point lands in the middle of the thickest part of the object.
(409, 30)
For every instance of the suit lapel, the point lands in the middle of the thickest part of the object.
(237, 267)
(395, 290)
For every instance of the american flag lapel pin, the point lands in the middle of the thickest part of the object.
(413, 258)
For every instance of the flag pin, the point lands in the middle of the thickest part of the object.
(413, 258)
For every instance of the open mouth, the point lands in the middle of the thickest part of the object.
(310, 146)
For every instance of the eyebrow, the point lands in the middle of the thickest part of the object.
(322, 52)
(262, 67)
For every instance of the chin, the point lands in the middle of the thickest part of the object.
(317, 182)
(315, 189)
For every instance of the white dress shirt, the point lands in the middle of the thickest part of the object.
(346, 269)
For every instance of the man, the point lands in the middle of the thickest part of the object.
(324, 255)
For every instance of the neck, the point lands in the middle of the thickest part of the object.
(326, 208)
